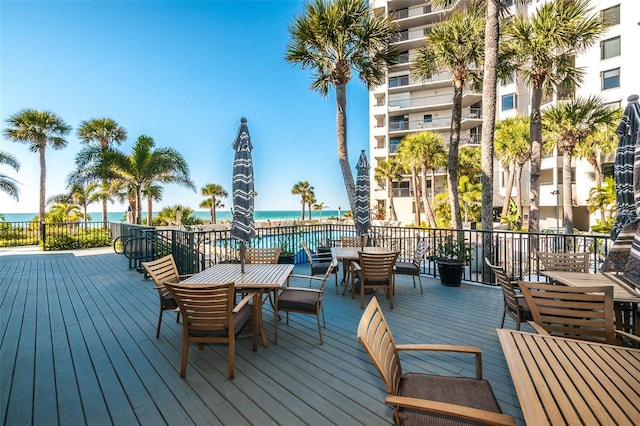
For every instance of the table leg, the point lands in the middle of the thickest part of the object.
(265, 343)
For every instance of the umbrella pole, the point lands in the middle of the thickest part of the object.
(243, 251)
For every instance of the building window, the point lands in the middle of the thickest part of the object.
(610, 48)
(398, 122)
(508, 101)
(610, 79)
(400, 80)
(427, 118)
(394, 143)
(611, 16)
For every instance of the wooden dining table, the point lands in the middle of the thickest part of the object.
(625, 302)
(562, 381)
(350, 254)
(256, 276)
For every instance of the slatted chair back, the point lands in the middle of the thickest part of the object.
(570, 262)
(262, 254)
(420, 253)
(577, 312)
(376, 271)
(516, 308)
(161, 271)
(354, 241)
(209, 317)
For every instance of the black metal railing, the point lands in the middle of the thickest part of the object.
(55, 235)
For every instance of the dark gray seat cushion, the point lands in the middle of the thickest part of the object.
(406, 268)
(292, 299)
(240, 319)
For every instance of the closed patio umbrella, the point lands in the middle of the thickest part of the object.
(362, 216)
(626, 166)
(243, 226)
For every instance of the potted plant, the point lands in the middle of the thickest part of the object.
(288, 254)
(452, 254)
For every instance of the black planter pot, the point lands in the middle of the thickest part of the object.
(287, 258)
(450, 273)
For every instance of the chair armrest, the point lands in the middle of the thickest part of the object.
(538, 328)
(310, 290)
(310, 277)
(628, 335)
(245, 300)
(185, 276)
(454, 410)
(447, 348)
(356, 266)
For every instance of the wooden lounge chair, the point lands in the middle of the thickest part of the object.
(424, 399)
(576, 312)
(304, 300)
(374, 271)
(319, 264)
(412, 266)
(209, 316)
(161, 271)
(514, 302)
(570, 262)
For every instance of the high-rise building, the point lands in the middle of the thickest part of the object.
(406, 105)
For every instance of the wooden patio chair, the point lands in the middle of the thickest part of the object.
(209, 316)
(161, 271)
(304, 300)
(412, 266)
(319, 264)
(584, 313)
(422, 399)
(514, 302)
(374, 271)
(262, 254)
(570, 262)
(354, 241)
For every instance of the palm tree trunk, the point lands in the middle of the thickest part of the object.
(452, 166)
(149, 210)
(567, 196)
(139, 204)
(392, 206)
(416, 196)
(431, 221)
(343, 152)
(43, 184)
(104, 204)
(536, 158)
(518, 173)
(508, 189)
(212, 210)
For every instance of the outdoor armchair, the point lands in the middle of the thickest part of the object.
(262, 255)
(320, 263)
(424, 399)
(412, 266)
(209, 316)
(514, 302)
(573, 262)
(374, 271)
(161, 271)
(304, 300)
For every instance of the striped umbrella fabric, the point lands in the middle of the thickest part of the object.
(627, 167)
(362, 217)
(243, 227)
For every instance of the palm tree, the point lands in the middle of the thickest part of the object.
(213, 191)
(545, 45)
(389, 170)
(568, 124)
(309, 200)
(153, 192)
(603, 198)
(100, 135)
(146, 166)
(85, 195)
(303, 189)
(318, 207)
(469, 163)
(598, 145)
(512, 146)
(39, 129)
(421, 149)
(8, 184)
(457, 46)
(334, 39)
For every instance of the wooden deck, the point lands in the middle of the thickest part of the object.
(78, 347)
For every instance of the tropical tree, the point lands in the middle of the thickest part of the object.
(389, 170)
(422, 152)
(336, 38)
(85, 195)
(8, 184)
(567, 125)
(598, 145)
(469, 163)
(213, 191)
(602, 198)
(38, 129)
(64, 210)
(455, 45)
(318, 207)
(169, 216)
(545, 46)
(100, 136)
(470, 198)
(146, 166)
(310, 200)
(303, 189)
(512, 147)
(153, 192)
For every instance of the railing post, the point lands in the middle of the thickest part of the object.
(43, 233)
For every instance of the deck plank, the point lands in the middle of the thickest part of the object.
(79, 347)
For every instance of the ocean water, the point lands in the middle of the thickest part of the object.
(221, 216)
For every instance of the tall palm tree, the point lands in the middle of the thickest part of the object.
(512, 146)
(567, 125)
(455, 45)
(335, 38)
(303, 189)
(545, 46)
(100, 135)
(85, 195)
(602, 198)
(153, 192)
(309, 200)
(146, 166)
(318, 207)
(421, 148)
(8, 184)
(389, 171)
(469, 163)
(213, 191)
(38, 129)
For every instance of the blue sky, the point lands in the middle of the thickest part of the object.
(184, 73)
